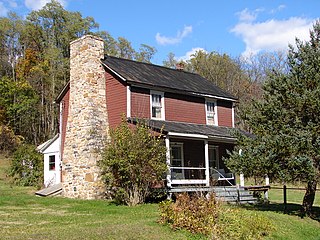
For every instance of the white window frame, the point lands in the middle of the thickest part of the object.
(152, 92)
(215, 111)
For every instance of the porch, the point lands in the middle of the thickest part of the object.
(194, 153)
(197, 162)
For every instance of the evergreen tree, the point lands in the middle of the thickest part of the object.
(286, 123)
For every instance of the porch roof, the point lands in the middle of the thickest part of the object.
(180, 129)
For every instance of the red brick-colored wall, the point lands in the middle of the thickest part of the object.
(224, 113)
(116, 97)
(182, 108)
(64, 120)
(140, 102)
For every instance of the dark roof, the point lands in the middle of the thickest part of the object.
(189, 128)
(62, 93)
(163, 77)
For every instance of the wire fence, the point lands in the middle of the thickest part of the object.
(287, 195)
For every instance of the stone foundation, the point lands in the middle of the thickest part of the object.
(87, 125)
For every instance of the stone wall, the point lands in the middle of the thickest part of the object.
(87, 124)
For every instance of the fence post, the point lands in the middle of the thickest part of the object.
(266, 195)
(285, 198)
(238, 194)
(241, 180)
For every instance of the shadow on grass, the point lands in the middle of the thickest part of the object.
(290, 209)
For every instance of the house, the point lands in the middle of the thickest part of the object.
(196, 117)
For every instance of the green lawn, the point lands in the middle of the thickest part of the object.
(25, 216)
(293, 196)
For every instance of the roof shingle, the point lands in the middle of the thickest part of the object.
(158, 76)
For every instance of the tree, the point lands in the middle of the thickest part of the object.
(171, 61)
(26, 167)
(286, 123)
(145, 53)
(133, 161)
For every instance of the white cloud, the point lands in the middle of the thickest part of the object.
(190, 54)
(271, 35)
(163, 40)
(246, 16)
(3, 10)
(278, 9)
(38, 4)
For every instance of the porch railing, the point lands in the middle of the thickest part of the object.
(188, 175)
(222, 176)
(197, 175)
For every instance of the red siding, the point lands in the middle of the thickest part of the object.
(65, 113)
(116, 93)
(224, 113)
(140, 102)
(182, 108)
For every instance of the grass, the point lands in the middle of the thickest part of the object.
(293, 196)
(25, 216)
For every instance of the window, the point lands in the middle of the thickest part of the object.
(52, 162)
(211, 113)
(157, 105)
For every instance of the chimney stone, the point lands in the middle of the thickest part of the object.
(87, 124)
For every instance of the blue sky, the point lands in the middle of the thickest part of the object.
(234, 27)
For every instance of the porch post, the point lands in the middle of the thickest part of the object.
(206, 158)
(168, 161)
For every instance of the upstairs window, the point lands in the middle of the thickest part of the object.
(157, 105)
(211, 113)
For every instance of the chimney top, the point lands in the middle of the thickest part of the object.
(180, 66)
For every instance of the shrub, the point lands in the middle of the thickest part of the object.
(238, 223)
(8, 140)
(26, 167)
(133, 161)
(195, 213)
(199, 214)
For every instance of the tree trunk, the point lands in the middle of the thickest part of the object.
(308, 198)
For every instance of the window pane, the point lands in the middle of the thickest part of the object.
(210, 113)
(52, 162)
(156, 112)
(156, 105)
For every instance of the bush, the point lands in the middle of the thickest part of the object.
(199, 214)
(133, 161)
(26, 167)
(196, 213)
(238, 223)
(8, 140)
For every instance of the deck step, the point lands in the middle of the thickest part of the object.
(50, 191)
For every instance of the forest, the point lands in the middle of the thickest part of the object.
(34, 56)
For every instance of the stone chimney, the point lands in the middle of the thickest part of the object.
(180, 66)
(87, 125)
